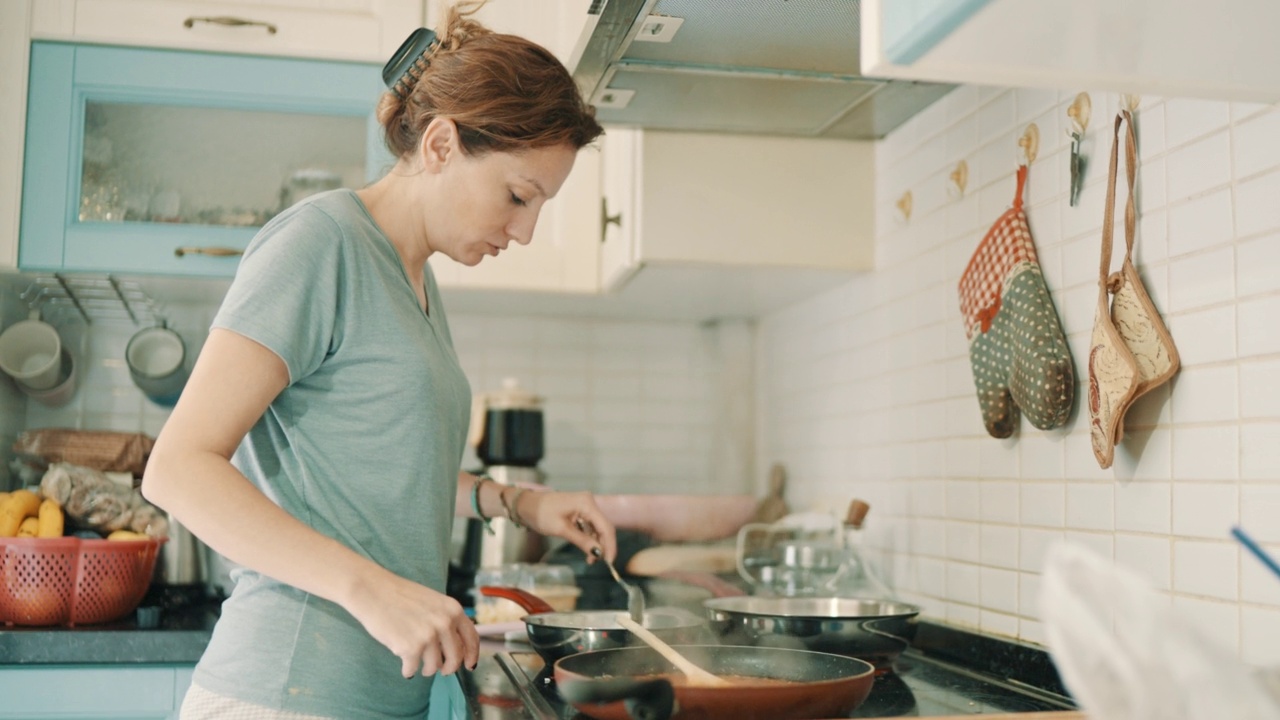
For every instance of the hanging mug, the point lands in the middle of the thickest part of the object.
(157, 363)
(32, 353)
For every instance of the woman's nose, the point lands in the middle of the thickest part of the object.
(521, 229)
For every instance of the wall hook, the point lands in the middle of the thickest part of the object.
(1130, 102)
(1078, 121)
(1029, 145)
(904, 205)
(959, 180)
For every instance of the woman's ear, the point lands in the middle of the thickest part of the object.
(440, 143)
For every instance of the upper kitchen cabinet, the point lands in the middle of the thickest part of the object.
(564, 254)
(761, 219)
(15, 21)
(362, 30)
(159, 161)
(1225, 50)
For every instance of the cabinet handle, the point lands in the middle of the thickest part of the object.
(210, 251)
(228, 21)
(606, 219)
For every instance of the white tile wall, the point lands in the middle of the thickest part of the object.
(631, 407)
(1199, 455)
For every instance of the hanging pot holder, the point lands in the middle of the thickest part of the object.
(1131, 352)
(1017, 349)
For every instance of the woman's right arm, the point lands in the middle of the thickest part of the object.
(189, 473)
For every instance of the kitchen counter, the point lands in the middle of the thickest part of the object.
(179, 637)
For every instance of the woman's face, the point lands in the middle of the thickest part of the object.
(494, 199)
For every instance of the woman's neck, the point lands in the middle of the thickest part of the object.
(396, 204)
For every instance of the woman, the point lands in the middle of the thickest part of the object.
(319, 438)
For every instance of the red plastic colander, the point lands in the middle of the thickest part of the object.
(73, 581)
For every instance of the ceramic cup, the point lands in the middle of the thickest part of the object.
(61, 393)
(157, 362)
(31, 352)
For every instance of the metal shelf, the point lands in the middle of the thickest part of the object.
(102, 297)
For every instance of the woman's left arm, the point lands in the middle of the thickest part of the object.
(548, 512)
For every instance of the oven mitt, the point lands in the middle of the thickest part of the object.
(1017, 349)
(1131, 351)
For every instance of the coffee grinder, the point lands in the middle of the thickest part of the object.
(507, 433)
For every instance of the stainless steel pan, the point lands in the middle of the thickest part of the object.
(872, 630)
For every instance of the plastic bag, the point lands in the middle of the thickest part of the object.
(94, 502)
(1125, 653)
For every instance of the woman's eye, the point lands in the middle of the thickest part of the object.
(516, 199)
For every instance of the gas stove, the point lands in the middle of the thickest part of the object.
(946, 672)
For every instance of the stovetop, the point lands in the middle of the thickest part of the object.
(917, 686)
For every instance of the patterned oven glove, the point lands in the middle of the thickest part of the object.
(1017, 349)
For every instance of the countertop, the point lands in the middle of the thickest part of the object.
(180, 637)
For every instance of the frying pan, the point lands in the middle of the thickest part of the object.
(873, 630)
(619, 684)
(557, 634)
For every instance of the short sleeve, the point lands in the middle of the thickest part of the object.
(285, 294)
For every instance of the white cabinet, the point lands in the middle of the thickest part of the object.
(364, 30)
(564, 254)
(737, 202)
(15, 16)
(1225, 50)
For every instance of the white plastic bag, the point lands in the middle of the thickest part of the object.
(1125, 653)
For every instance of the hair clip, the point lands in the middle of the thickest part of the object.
(405, 59)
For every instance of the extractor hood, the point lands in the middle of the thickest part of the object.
(779, 67)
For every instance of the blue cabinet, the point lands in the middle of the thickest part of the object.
(167, 162)
(100, 692)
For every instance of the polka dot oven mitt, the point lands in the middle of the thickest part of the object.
(1017, 349)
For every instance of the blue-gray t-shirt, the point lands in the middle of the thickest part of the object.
(364, 446)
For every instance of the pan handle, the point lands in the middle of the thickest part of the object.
(531, 603)
(643, 699)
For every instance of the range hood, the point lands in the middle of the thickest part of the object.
(778, 67)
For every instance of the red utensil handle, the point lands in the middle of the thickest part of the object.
(531, 603)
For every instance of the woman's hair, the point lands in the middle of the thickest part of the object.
(503, 92)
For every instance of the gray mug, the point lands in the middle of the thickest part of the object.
(157, 363)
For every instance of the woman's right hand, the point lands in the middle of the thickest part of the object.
(422, 627)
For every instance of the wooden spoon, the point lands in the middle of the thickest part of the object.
(697, 676)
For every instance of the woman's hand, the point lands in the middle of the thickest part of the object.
(570, 515)
(422, 627)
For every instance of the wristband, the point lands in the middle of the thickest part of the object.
(475, 502)
(512, 515)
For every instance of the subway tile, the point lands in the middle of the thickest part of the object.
(1200, 223)
(1090, 506)
(999, 546)
(1206, 568)
(1214, 619)
(1040, 454)
(1187, 119)
(1259, 451)
(1257, 583)
(1241, 111)
(1206, 453)
(929, 538)
(996, 117)
(1033, 102)
(1256, 263)
(1256, 208)
(1042, 504)
(1202, 279)
(1032, 631)
(999, 590)
(962, 615)
(1144, 455)
(1206, 510)
(1257, 320)
(1150, 126)
(1101, 543)
(1205, 394)
(1249, 137)
(1029, 594)
(1200, 166)
(964, 542)
(1032, 545)
(1205, 336)
(1143, 506)
(1260, 636)
(996, 623)
(1147, 556)
(1000, 502)
(1260, 389)
(1081, 463)
(963, 583)
(1259, 508)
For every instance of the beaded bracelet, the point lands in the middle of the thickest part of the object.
(512, 515)
(475, 502)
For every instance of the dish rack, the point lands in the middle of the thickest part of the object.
(92, 297)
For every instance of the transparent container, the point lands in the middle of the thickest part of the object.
(553, 583)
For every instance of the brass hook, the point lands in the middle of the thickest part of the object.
(960, 178)
(904, 205)
(1030, 143)
(1079, 111)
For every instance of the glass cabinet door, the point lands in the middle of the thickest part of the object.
(176, 159)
